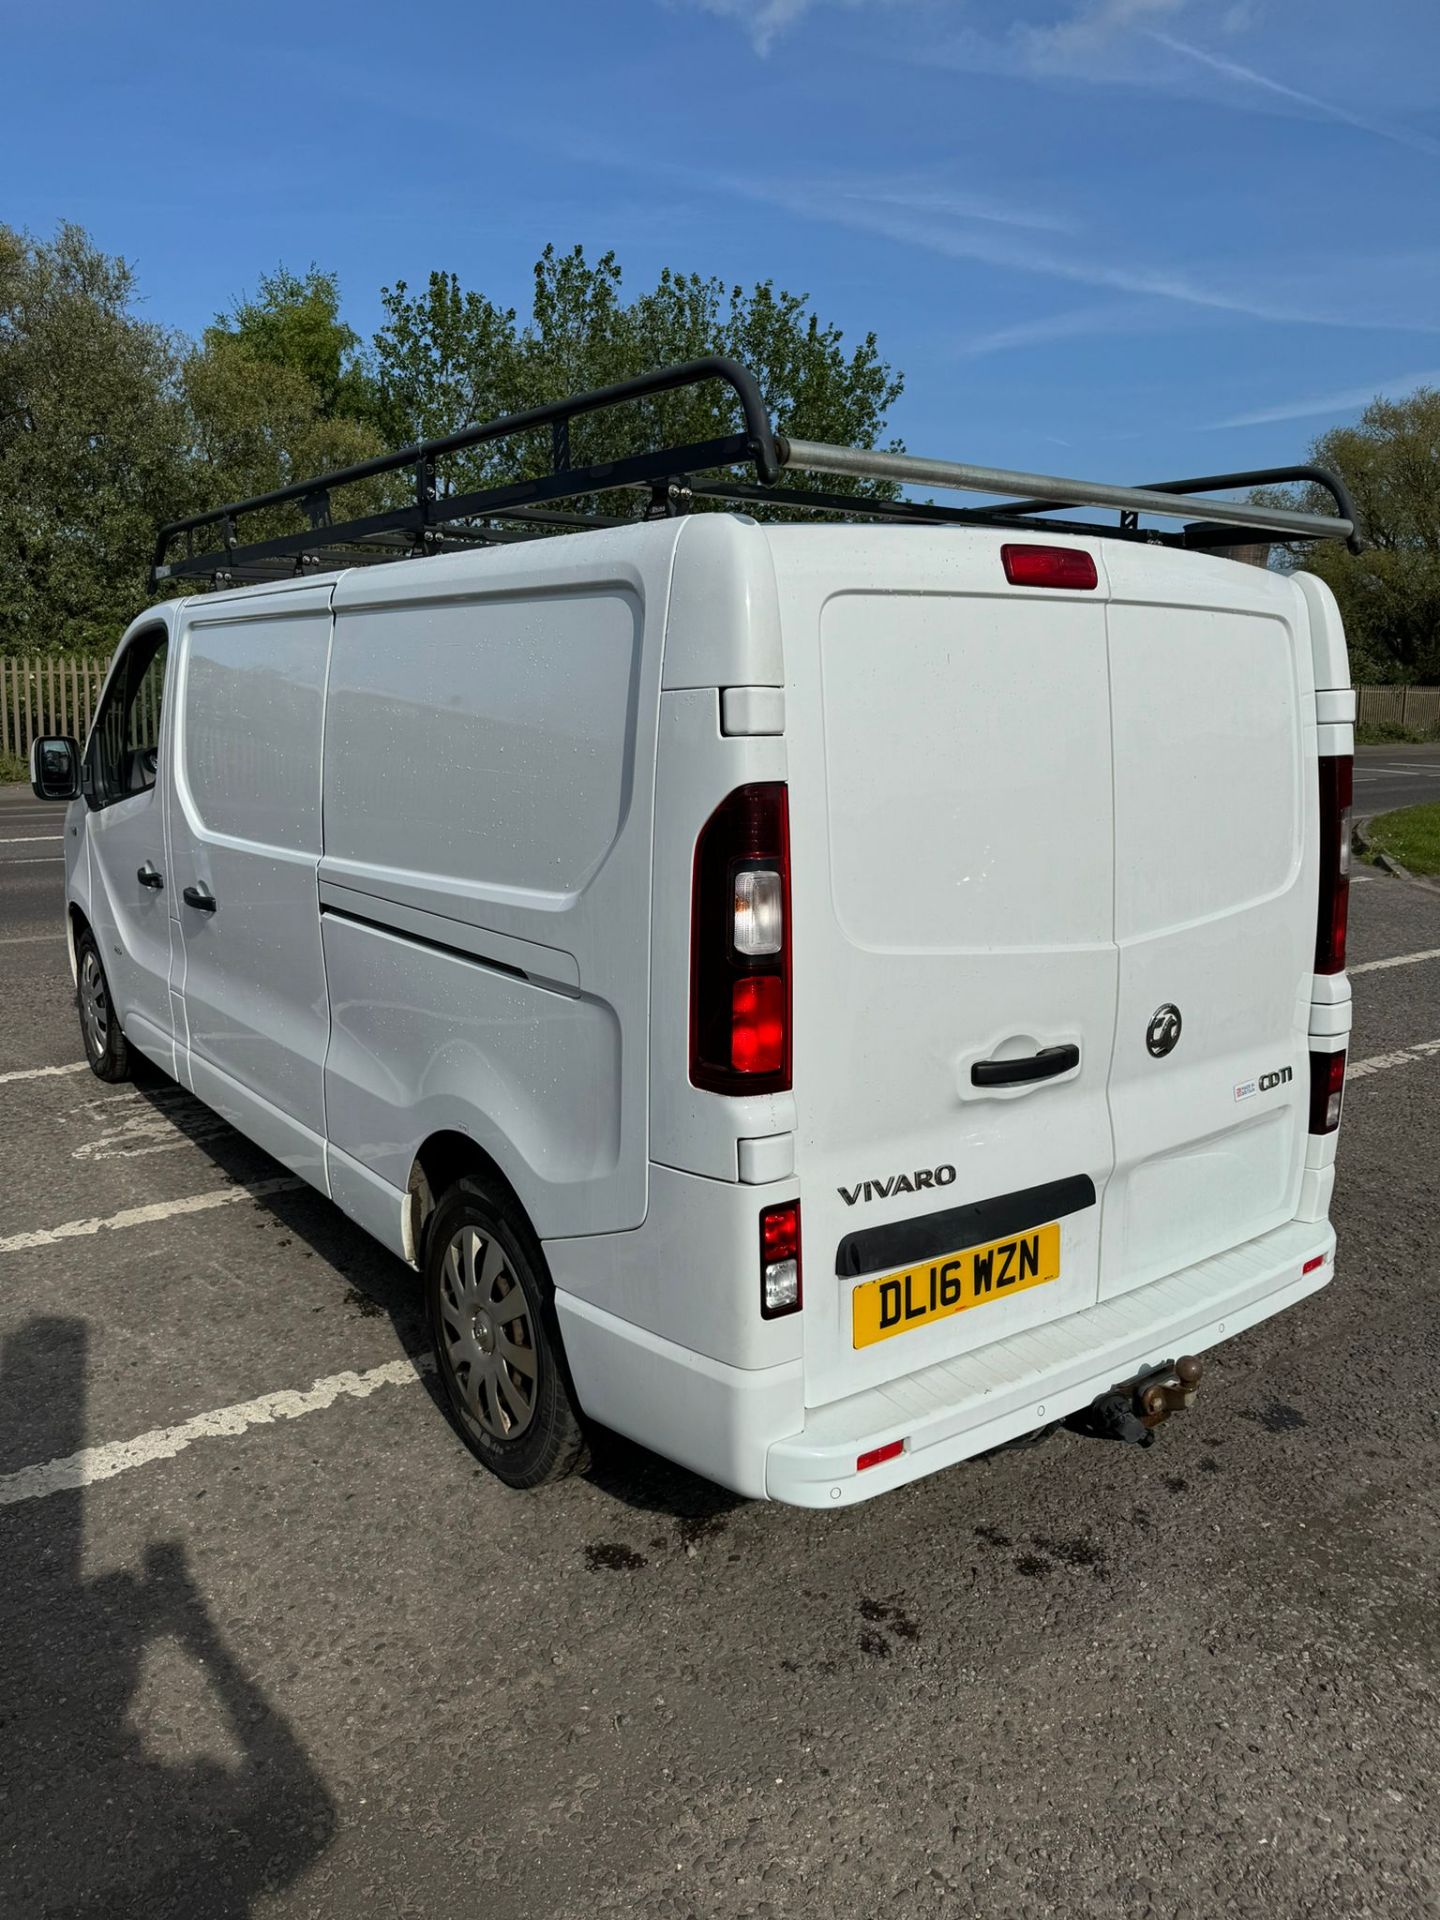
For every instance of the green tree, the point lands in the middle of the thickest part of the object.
(293, 321)
(93, 442)
(447, 356)
(1389, 595)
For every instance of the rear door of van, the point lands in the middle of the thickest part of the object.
(955, 970)
(1216, 882)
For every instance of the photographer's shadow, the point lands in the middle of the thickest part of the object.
(96, 1822)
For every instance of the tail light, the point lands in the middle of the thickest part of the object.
(780, 1280)
(1327, 1091)
(740, 945)
(1337, 782)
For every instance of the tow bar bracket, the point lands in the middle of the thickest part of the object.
(1133, 1410)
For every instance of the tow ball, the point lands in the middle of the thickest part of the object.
(1133, 1410)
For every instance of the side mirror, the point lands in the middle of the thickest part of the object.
(54, 767)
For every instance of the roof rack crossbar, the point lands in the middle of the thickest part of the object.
(815, 456)
(1256, 477)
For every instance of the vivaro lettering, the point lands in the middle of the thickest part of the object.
(917, 1182)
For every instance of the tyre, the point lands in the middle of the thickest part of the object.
(106, 1048)
(496, 1338)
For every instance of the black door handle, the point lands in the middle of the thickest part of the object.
(199, 898)
(150, 876)
(1014, 1073)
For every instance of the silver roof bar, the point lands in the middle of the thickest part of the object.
(816, 456)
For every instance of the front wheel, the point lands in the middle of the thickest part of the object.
(496, 1339)
(106, 1048)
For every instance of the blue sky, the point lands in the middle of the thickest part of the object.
(1115, 237)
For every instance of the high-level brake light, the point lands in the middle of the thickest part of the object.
(740, 945)
(1030, 566)
(1337, 782)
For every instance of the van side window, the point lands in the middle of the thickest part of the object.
(125, 751)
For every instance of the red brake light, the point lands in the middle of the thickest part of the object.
(740, 945)
(780, 1278)
(877, 1456)
(1327, 1091)
(1049, 567)
(1337, 785)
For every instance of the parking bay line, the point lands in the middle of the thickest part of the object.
(144, 1216)
(29, 839)
(91, 1464)
(1397, 960)
(1401, 1057)
(40, 1073)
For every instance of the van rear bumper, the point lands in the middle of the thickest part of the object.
(966, 1406)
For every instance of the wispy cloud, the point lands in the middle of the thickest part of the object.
(1003, 240)
(765, 20)
(1088, 30)
(1309, 102)
(1107, 317)
(1343, 402)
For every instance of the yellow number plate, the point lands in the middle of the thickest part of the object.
(919, 1296)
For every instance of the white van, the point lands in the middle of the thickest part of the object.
(825, 1001)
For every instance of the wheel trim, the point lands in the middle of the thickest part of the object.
(488, 1336)
(94, 1004)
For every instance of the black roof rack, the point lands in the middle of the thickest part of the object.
(427, 519)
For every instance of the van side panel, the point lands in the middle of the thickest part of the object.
(488, 801)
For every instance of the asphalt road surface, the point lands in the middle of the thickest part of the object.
(274, 1646)
(1387, 777)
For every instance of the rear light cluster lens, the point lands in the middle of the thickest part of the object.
(740, 945)
(1029, 566)
(780, 1280)
(1327, 1091)
(1337, 782)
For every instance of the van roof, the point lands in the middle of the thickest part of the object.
(411, 509)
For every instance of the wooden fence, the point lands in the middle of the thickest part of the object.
(1417, 707)
(46, 693)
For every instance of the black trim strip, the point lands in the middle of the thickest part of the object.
(422, 940)
(904, 1243)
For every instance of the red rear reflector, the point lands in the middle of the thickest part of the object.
(1327, 1091)
(878, 1455)
(1048, 567)
(1337, 782)
(757, 1024)
(1310, 1265)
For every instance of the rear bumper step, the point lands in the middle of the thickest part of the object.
(982, 1399)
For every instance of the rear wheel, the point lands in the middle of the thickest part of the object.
(496, 1339)
(106, 1048)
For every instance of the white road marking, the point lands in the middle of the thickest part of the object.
(143, 1216)
(1402, 1057)
(35, 860)
(29, 839)
(28, 939)
(39, 1073)
(92, 1464)
(1397, 960)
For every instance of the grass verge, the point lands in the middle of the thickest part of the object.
(12, 770)
(1411, 835)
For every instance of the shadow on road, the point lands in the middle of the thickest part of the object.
(95, 1820)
